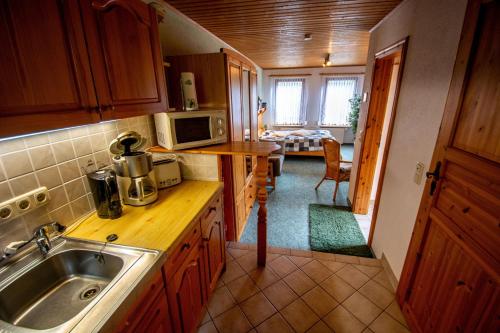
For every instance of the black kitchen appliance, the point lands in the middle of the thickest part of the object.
(105, 193)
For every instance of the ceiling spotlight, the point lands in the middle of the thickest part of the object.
(327, 61)
(308, 37)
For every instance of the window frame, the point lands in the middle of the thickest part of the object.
(303, 101)
(324, 86)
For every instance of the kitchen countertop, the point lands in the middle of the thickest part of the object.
(156, 226)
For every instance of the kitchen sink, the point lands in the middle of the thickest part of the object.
(75, 280)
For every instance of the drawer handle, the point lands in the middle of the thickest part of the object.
(212, 209)
(185, 246)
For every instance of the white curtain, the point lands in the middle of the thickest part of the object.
(336, 94)
(289, 101)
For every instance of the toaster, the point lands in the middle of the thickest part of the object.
(167, 171)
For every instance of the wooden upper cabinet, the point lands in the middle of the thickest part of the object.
(125, 56)
(46, 81)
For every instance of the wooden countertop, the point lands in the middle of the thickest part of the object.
(156, 226)
(230, 148)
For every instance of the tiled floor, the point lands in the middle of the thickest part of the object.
(302, 291)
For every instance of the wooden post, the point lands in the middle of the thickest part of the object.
(261, 179)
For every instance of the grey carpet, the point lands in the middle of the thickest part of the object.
(288, 205)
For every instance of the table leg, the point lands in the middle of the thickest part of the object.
(261, 179)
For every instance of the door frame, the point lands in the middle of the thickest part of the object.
(401, 47)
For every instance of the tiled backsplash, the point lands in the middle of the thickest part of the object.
(198, 167)
(59, 160)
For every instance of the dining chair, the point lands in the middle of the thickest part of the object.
(336, 169)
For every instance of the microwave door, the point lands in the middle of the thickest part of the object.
(189, 130)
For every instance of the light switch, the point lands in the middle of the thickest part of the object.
(365, 97)
(419, 171)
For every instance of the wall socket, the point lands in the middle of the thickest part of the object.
(23, 204)
(419, 172)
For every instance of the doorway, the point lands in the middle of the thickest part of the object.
(377, 135)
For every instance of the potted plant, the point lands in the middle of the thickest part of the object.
(354, 114)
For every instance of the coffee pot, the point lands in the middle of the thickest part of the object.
(134, 169)
(104, 188)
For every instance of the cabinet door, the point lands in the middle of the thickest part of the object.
(213, 241)
(125, 54)
(235, 114)
(254, 107)
(46, 82)
(186, 292)
(157, 319)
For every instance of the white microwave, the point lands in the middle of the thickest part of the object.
(188, 129)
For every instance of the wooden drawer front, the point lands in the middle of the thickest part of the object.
(157, 319)
(176, 257)
(250, 195)
(133, 319)
(214, 211)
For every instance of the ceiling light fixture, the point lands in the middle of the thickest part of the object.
(327, 61)
(308, 37)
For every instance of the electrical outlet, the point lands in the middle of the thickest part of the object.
(419, 172)
(23, 204)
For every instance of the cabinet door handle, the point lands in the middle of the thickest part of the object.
(185, 246)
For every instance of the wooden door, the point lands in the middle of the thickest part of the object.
(214, 245)
(450, 281)
(235, 112)
(125, 54)
(186, 292)
(46, 82)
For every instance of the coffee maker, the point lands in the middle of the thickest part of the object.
(134, 169)
(105, 193)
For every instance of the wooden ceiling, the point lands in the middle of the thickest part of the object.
(271, 32)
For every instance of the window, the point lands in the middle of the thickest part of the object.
(336, 94)
(289, 101)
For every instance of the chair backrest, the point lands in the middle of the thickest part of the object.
(331, 149)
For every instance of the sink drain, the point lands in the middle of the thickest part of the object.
(89, 292)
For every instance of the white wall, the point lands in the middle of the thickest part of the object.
(434, 28)
(313, 90)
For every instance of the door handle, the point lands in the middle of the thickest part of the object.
(435, 176)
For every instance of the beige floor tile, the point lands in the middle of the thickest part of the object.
(257, 309)
(233, 271)
(272, 256)
(263, 277)
(221, 301)
(370, 262)
(299, 282)
(282, 266)
(252, 246)
(377, 294)
(316, 271)
(367, 330)
(232, 321)
(347, 259)
(275, 324)
(320, 327)
(208, 327)
(219, 284)
(382, 279)
(396, 313)
(324, 256)
(386, 324)
(229, 257)
(299, 261)
(236, 253)
(342, 321)
(338, 288)
(334, 266)
(301, 253)
(299, 316)
(280, 294)
(242, 288)
(278, 250)
(362, 308)
(206, 316)
(320, 301)
(241, 246)
(369, 271)
(353, 276)
(248, 261)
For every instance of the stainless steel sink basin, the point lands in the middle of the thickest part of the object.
(77, 279)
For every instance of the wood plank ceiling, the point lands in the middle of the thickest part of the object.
(271, 32)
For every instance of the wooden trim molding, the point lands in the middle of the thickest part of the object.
(340, 74)
(289, 75)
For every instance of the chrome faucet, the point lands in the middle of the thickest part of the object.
(42, 240)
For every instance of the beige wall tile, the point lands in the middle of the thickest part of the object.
(17, 164)
(36, 140)
(12, 145)
(79, 131)
(5, 193)
(59, 135)
(23, 184)
(58, 198)
(98, 142)
(80, 207)
(69, 170)
(2, 173)
(63, 215)
(42, 157)
(49, 177)
(63, 151)
(75, 189)
(82, 146)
